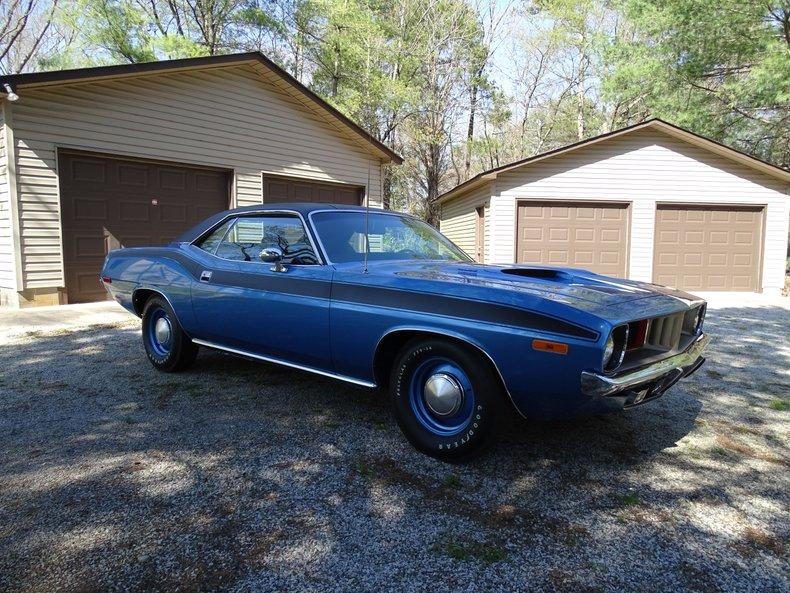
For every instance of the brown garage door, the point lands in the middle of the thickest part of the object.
(286, 189)
(591, 236)
(108, 203)
(708, 247)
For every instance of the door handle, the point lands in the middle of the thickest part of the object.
(205, 276)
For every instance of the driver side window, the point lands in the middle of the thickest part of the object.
(251, 234)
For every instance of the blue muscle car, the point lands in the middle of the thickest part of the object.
(381, 299)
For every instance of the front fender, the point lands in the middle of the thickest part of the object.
(539, 383)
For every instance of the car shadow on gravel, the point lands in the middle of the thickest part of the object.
(242, 475)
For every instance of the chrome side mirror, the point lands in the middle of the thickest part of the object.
(273, 255)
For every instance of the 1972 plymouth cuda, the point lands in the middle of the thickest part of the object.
(458, 344)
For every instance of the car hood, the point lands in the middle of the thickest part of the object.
(519, 284)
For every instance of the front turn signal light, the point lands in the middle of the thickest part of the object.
(547, 346)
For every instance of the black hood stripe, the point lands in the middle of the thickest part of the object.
(438, 304)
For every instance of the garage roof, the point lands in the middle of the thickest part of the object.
(655, 123)
(290, 84)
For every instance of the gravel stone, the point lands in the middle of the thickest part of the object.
(243, 476)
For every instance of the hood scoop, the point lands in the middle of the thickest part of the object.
(539, 273)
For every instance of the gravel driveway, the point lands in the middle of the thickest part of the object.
(244, 476)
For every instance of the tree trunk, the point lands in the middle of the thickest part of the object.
(386, 198)
(470, 130)
(432, 174)
(580, 106)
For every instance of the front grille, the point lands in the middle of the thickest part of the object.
(664, 332)
(658, 337)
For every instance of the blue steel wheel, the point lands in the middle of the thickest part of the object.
(446, 398)
(441, 396)
(160, 331)
(167, 346)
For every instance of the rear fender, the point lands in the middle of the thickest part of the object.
(141, 274)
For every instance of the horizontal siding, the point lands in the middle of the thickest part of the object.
(230, 118)
(459, 218)
(644, 168)
(7, 279)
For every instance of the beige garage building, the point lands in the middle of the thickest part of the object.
(98, 158)
(651, 202)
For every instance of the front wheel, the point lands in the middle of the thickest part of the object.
(168, 348)
(446, 398)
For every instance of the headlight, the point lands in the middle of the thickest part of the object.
(614, 349)
(700, 319)
(692, 322)
(608, 350)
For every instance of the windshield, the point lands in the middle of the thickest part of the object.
(390, 237)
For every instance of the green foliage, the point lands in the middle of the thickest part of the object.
(458, 87)
(718, 67)
(116, 26)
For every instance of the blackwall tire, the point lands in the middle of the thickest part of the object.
(446, 398)
(167, 346)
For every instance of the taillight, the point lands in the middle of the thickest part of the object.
(106, 279)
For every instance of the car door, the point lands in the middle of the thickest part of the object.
(277, 311)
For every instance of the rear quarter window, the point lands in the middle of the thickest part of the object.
(212, 240)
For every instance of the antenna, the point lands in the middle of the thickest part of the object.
(367, 216)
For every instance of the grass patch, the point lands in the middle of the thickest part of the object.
(52, 385)
(733, 445)
(629, 500)
(451, 481)
(193, 389)
(764, 540)
(457, 551)
(779, 404)
(730, 445)
(380, 424)
(776, 389)
(364, 470)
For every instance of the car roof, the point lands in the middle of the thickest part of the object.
(301, 208)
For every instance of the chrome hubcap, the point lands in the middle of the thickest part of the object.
(162, 330)
(443, 394)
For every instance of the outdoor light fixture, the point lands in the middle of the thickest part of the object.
(10, 94)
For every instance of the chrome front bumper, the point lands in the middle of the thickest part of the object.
(652, 380)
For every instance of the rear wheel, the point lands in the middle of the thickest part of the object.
(168, 348)
(446, 398)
